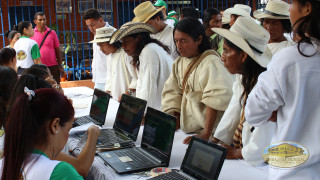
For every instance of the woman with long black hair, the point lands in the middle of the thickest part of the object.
(246, 54)
(291, 86)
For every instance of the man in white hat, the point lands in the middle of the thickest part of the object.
(151, 60)
(121, 75)
(147, 13)
(247, 55)
(275, 19)
(94, 20)
(236, 11)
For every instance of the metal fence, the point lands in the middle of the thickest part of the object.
(65, 17)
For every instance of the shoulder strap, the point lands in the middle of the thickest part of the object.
(44, 38)
(194, 64)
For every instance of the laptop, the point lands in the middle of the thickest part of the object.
(156, 146)
(126, 126)
(203, 160)
(98, 109)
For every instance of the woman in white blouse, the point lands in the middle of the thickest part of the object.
(151, 59)
(291, 86)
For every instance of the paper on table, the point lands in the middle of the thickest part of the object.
(80, 129)
(80, 105)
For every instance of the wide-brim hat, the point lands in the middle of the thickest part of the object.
(144, 12)
(238, 9)
(275, 9)
(250, 37)
(225, 19)
(131, 28)
(103, 34)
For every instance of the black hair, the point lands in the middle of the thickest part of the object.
(91, 14)
(190, 12)
(23, 25)
(145, 39)
(37, 71)
(8, 78)
(31, 82)
(6, 55)
(250, 72)
(42, 66)
(286, 24)
(194, 28)
(158, 14)
(117, 44)
(309, 24)
(207, 16)
(38, 14)
(10, 34)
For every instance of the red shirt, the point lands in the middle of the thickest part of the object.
(48, 55)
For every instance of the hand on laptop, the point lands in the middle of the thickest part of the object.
(233, 153)
(204, 136)
(93, 131)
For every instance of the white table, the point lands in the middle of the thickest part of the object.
(232, 169)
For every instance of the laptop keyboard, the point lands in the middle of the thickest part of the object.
(109, 137)
(85, 120)
(172, 175)
(138, 159)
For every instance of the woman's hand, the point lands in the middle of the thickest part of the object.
(93, 131)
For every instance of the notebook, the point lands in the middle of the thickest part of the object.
(203, 160)
(156, 146)
(126, 126)
(98, 109)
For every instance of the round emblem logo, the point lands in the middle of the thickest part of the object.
(285, 154)
(21, 55)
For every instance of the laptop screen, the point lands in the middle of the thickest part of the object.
(129, 116)
(203, 160)
(158, 134)
(99, 105)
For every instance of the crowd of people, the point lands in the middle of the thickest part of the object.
(241, 81)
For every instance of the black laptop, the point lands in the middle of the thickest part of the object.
(156, 146)
(98, 109)
(126, 126)
(203, 160)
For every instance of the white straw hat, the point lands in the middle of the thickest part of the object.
(238, 9)
(103, 34)
(275, 9)
(131, 28)
(250, 37)
(225, 19)
(145, 11)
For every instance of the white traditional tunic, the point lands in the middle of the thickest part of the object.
(209, 84)
(276, 47)
(254, 142)
(170, 22)
(120, 73)
(99, 64)
(154, 70)
(291, 85)
(166, 37)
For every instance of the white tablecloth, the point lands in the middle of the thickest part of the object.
(232, 169)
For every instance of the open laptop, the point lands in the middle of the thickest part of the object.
(126, 126)
(203, 160)
(156, 146)
(98, 109)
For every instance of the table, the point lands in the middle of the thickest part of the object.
(232, 169)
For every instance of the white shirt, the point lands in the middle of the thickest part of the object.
(120, 73)
(23, 48)
(170, 22)
(276, 47)
(155, 68)
(254, 142)
(166, 37)
(291, 85)
(99, 63)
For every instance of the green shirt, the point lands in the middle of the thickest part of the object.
(63, 171)
(35, 51)
(220, 44)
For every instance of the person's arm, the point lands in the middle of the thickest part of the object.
(57, 51)
(35, 53)
(233, 153)
(211, 115)
(82, 163)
